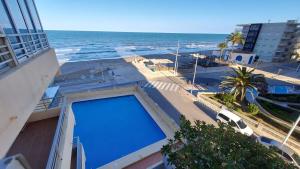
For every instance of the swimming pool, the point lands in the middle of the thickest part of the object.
(112, 128)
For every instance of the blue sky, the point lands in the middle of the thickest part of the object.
(182, 16)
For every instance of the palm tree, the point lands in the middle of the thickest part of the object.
(241, 80)
(236, 38)
(222, 46)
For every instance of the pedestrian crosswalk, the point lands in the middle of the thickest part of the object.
(172, 87)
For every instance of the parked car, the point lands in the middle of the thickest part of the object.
(283, 151)
(235, 121)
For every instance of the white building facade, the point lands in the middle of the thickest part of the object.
(271, 41)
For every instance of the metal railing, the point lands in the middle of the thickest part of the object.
(46, 104)
(54, 155)
(80, 155)
(6, 59)
(17, 48)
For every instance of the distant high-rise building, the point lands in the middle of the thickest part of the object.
(272, 41)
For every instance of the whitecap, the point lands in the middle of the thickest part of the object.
(66, 51)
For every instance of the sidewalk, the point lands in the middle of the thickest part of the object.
(178, 103)
(291, 77)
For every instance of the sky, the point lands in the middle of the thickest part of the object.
(173, 16)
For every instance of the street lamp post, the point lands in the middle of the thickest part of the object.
(176, 60)
(195, 69)
(291, 131)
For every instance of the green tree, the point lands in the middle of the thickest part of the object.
(236, 38)
(206, 146)
(222, 46)
(240, 81)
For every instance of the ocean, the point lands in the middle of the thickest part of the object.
(73, 46)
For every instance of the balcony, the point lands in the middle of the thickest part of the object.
(21, 88)
(34, 143)
(46, 141)
(14, 52)
(6, 59)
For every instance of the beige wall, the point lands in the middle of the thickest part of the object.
(20, 90)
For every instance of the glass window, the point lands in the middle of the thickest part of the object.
(266, 140)
(5, 21)
(34, 15)
(17, 16)
(285, 155)
(241, 124)
(233, 124)
(26, 15)
(224, 117)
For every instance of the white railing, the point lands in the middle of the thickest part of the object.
(48, 103)
(80, 154)
(29, 44)
(54, 155)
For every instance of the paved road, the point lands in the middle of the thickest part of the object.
(178, 103)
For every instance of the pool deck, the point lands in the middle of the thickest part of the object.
(167, 125)
(146, 162)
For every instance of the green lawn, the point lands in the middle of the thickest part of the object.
(280, 112)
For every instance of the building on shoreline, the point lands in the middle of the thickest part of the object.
(272, 41)
(27, 66)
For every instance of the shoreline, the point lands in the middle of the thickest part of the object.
(149, 56)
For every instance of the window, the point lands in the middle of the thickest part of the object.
(26, 15)
(34, 16)
(241, 124)
(224, 117)
(233, 124)
(17, 16)
(5, 21)
(266, 140)
(286, 156)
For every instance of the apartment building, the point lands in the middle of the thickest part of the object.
(272, 41)
(27, 67)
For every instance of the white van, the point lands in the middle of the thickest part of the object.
(235, 121)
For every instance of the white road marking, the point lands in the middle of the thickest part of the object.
(176, 88)
(147, 85)
(172, 87)
(160, 83)
(167, 87)
(162, 87)
(154, 84)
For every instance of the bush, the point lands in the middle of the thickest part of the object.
(205, 146)
(226, 97)
(252, 108)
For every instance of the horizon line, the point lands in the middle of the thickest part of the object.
(134, 32)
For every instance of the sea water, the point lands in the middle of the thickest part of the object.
(72, 46)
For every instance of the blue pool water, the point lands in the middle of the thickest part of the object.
(111, 128)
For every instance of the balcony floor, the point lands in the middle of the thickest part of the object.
(35, 141)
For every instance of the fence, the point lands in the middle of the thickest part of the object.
(49, 103)
(54, 156)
